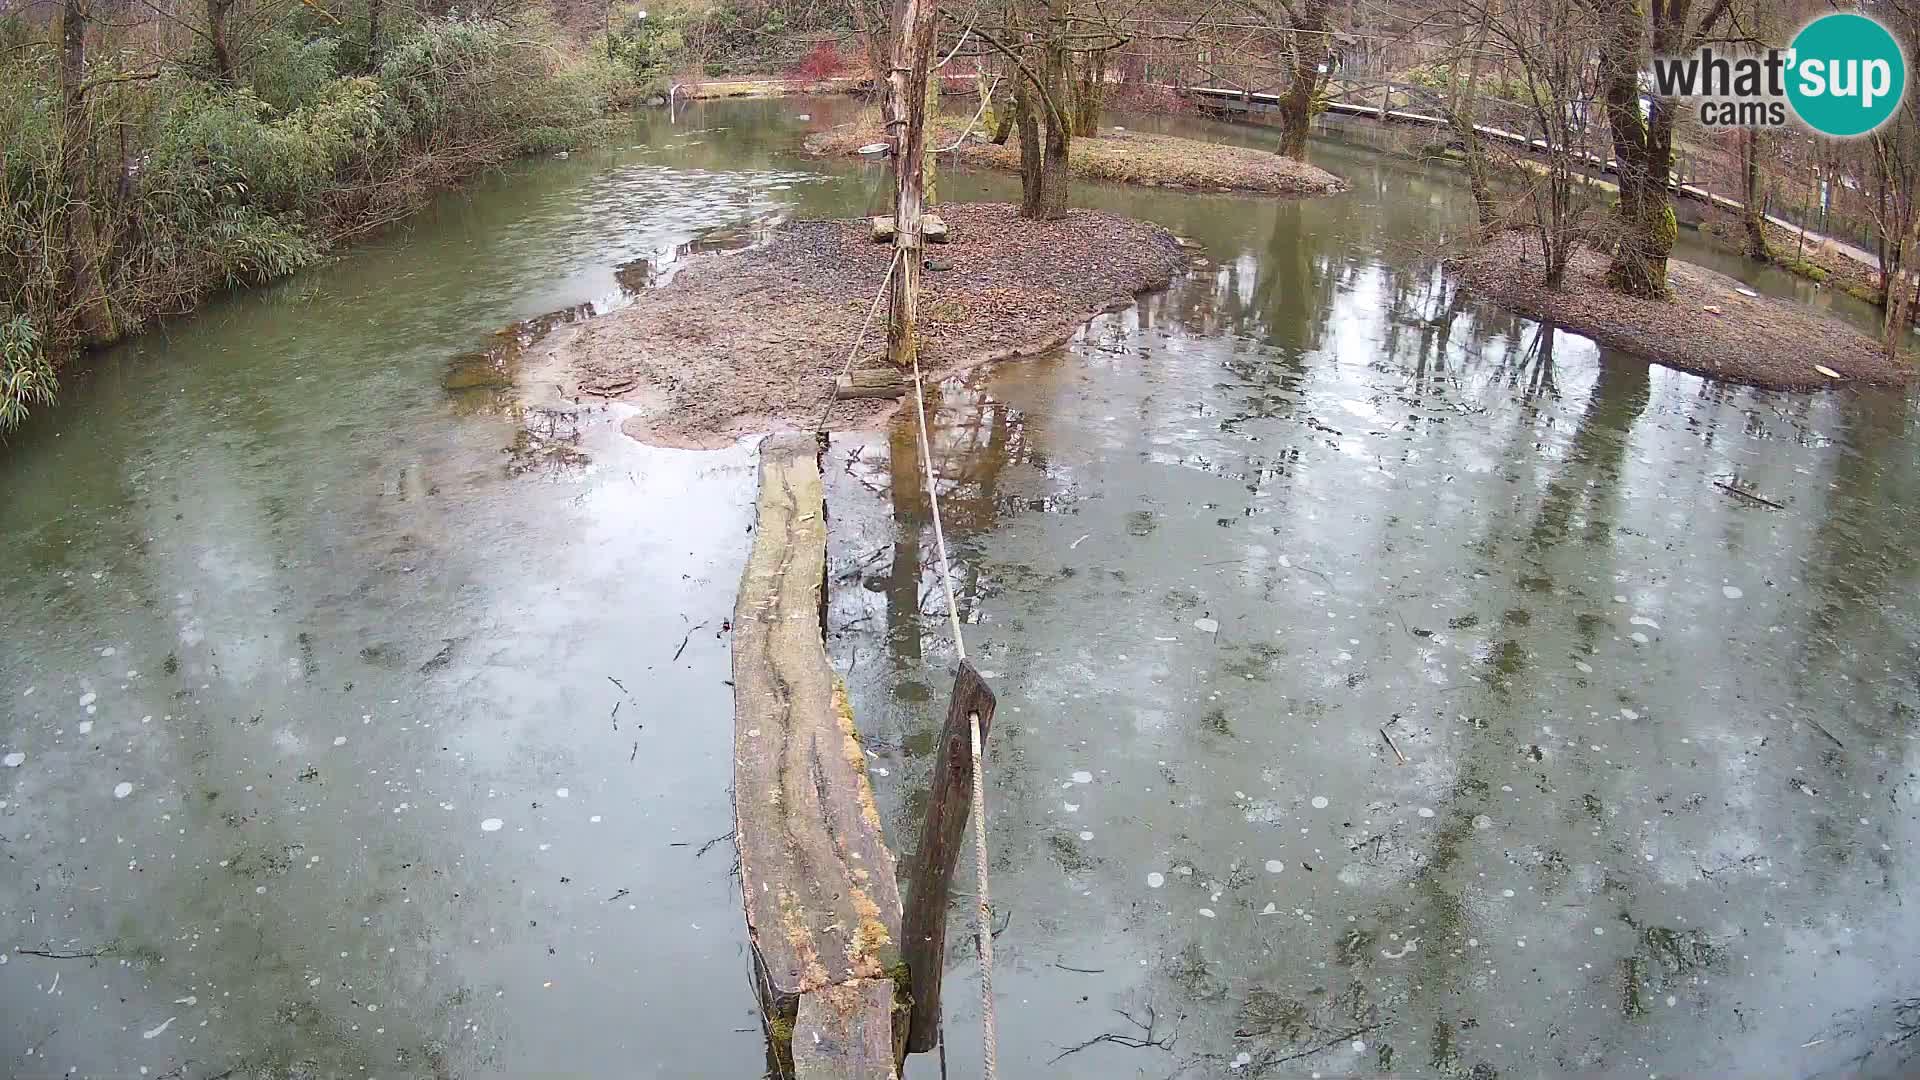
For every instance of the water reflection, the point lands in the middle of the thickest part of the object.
(1388, 682)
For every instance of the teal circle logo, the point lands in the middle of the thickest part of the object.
(1848, 75)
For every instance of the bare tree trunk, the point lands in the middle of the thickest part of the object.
(374, 42)
(1899, 297)
(1312, 51)
(1465, 125)
(217, 39)
(873, 23)
(907, 91)
(1754, 198)
(929, 162)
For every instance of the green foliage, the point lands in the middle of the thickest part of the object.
(645, 45)
(26, 378)
(289, 70)
(190, 186)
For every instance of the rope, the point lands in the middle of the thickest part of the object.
(939, 536)
(989, 1045)
(985, 100)
(983, 917)
(858, 339)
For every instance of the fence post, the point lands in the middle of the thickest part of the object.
(942, 836)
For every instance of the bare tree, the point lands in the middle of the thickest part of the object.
(1645, 228)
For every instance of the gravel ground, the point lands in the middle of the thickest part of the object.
(751, 340)
(1127, 157)
(1708, 328)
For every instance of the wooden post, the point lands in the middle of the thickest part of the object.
(943, 834)
(907, 100)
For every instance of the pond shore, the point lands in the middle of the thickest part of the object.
(1115, 155)
(1713, 326)
(749, 341)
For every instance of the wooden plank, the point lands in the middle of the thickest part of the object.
(933, 229)
(823, 907)
(869, 383)
(943, 834)
(845, 1032)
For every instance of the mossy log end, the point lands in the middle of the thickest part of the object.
(823, 905)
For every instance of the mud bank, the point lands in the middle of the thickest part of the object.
(750, 341)
(1713, 325)
(1116, 155)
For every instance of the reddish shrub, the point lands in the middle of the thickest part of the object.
(822, 62)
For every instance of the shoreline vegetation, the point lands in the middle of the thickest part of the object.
(1111, 154)
(134, 195)
(1712, 325)
(692, 355)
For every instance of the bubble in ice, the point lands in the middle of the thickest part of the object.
(1731, 592)
(88, 698)
(1206, 913)
(1639, 637)
(1274, 866)
(122, 789)
(1083, 777)
(86, 726)
(339, 740)
(1206, 626)
(1319, 802)
(492, 824)
(1482, 821)
(1156, 879)
(561, 793)
(1359, 1046)
(1584, 667)
(13, 760)
(1425, 811)
(1086, 834)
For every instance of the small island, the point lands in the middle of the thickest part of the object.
(1709, 324)
(1112, 154)
(751, 341)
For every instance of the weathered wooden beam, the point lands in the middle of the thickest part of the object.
(933, 229)
(845, 1032)
(942, 835)
(823, 906)
(869, 383)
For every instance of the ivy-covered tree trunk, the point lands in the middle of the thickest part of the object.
(1089, 94)
(1464, 118)
(1053, 165)
(1312, 56)
(1645, 228)
(1029, 127)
